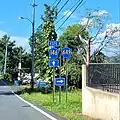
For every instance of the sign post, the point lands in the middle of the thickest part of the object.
(60, 77)
(66, 83)
(53, 84)
(54, 62)
(66, 52)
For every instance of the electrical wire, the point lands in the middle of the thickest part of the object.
(54, 2)
(71, 13)
(67, 12)
(63, 6)
(58, 3)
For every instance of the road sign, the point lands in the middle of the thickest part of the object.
(53, 43)
(54, 63)
(53, 53)
(66, 52)
(59, 81)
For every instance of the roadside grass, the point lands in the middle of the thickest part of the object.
(70, 110)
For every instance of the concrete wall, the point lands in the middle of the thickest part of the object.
(97, 103)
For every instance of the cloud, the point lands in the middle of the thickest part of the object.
(20, 41)
(85, 20)
(109, 28)
(68, 12)
(92, 18)
(100, 13)
(114, 42)
(2, 33)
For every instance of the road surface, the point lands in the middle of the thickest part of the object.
(12, 108)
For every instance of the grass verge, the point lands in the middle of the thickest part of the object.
(70, 110)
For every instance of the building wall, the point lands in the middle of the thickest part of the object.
(97, 103)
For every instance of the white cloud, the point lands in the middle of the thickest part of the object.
(100, 12)
(85, 20)
(93, 21)
(68, 12)
(20, 41)
(114, 42)
(2, 33)
(111, 27)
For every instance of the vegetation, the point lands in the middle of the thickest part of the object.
(71, 110)
(13, 57)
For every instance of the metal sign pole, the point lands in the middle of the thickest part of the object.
(60, 77)
(66, 83)
(53, 84)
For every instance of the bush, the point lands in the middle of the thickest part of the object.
(45, 90)
(6, 76)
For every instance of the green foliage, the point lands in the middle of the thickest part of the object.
(98, 58)
(14, 55)
(48, 19)
(70, 110)
(6, 76)
(71, 38)
(45, 33)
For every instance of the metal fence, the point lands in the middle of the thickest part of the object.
(104, 76)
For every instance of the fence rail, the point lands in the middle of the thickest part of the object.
(104, 76)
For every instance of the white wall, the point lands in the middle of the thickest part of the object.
(97, 103)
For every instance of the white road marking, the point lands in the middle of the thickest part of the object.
(36, 108)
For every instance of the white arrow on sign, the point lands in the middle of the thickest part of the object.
(53, 63)
(61, 81)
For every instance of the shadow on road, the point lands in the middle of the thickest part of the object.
(4, 82)
(6, 93)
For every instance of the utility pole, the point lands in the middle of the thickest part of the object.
(33, 44)
(5, 59)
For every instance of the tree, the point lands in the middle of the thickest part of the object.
(95, 22)
(45, 32)
(71, 38)
(48, 19)
(80, 38)
(14, 54)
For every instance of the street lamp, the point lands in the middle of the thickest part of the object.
(32, 41)
(21, 18)
(32, 50)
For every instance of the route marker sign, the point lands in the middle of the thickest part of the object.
(53, 63)
(53, 53)
(54, 43)
(59, 81)
(66, 52)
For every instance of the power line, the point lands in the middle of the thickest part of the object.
(71, 13)
(63, 6)
(58, 3)
(54, 2)
(67, 12)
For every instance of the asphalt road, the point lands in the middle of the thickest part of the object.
(12, 108)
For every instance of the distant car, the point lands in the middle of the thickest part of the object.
(26, 81)
(43, 84)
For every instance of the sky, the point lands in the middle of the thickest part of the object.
(20, 30)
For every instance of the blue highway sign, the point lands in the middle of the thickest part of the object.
(53, 53)
(53, 43)
(66, 52)
(54, 63)
(59, 81)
